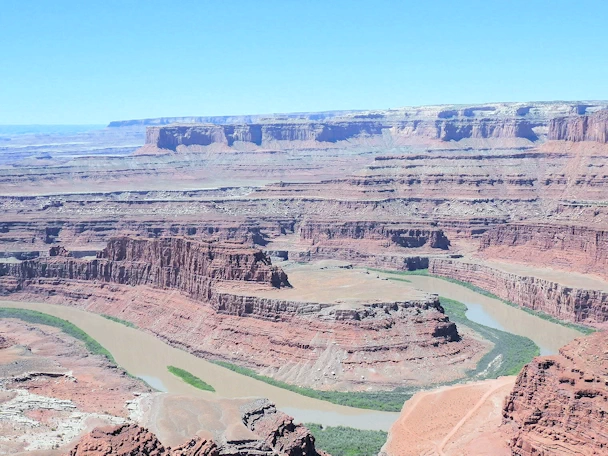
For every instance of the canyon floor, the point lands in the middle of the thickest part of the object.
(458, 420)
(317, 251)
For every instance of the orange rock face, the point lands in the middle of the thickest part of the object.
(174, 262)
(559, 404)
(131, 440)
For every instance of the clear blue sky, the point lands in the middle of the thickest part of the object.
(90, 61)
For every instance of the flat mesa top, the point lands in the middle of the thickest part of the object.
(332, 282)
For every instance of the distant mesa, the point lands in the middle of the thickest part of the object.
(490, 125)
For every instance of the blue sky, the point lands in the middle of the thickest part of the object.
(94, 61)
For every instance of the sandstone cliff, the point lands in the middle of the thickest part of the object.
(169, 263)
(589, 127)
(172, 136)
(315, 134)
(570, 247)
(563, 302)
(559, 404)
(527, 122)
(397, 234)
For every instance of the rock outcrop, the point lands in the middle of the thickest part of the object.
(277, 429)
(122, 440)
(588, 127)
(276, 432)
(559, 404)
(566, 303)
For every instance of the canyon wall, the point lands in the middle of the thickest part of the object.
(194, 296)
(167, 263)
(309, 134)
(589, 127)
(563, 302)
(86, 233)
(559, 404)
(569, 247)
(397, 234)
(172, 136)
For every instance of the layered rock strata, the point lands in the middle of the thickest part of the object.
(568, 247)
(564, 302)
(433, 123)
(195, 299)
(175, 138)
(559, 404)
(377, 244)
(84, 234)
(169, 263)
(591, 127)
(397, 234)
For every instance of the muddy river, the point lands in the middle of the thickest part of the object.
(145, 356)
(494, 313)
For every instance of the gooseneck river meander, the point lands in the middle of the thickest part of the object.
(146, 356)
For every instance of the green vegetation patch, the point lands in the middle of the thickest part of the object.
(417, 272)
(510, 353)
(346, 441)
(388, 401)
(190, 379)
(119, 320)
(35, 317)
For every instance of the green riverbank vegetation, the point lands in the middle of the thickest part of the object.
(425, 272)
(119, 320)
(190, 379)
(509, 354)
(35, 317)
(346, 441)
